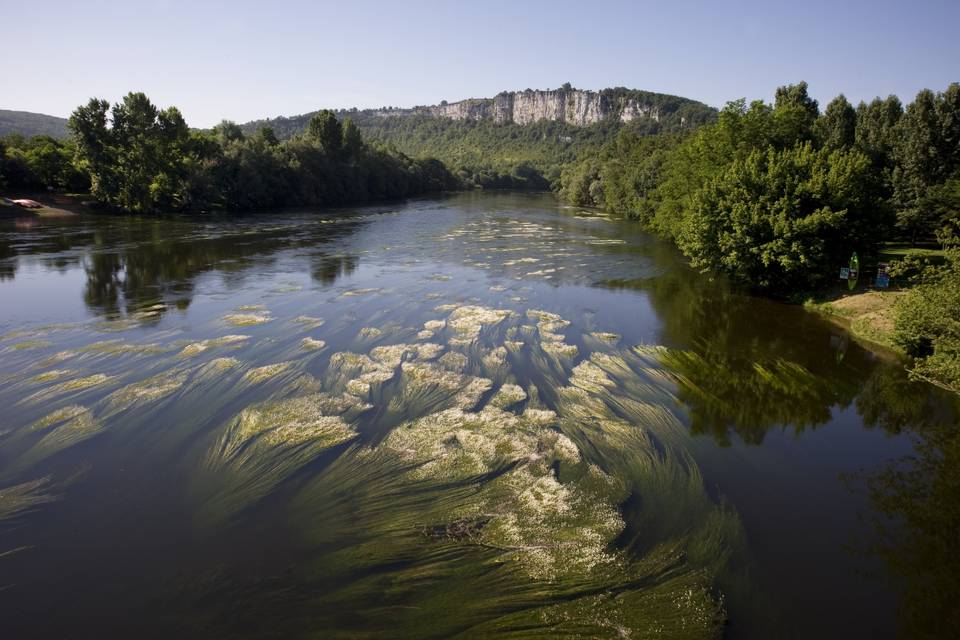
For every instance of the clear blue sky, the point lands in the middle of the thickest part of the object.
(243, 60)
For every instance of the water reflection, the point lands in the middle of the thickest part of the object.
(133, 263)
(740, 371)
(917, 517)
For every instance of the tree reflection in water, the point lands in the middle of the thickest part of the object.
(135, 263)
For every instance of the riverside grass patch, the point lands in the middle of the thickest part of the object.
(479, 472)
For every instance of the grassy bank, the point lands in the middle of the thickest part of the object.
(868, 315)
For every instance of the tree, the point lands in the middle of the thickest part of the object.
(228, 131)
(325, 129)
(920, 163)
(268, 136)
(94, 147)
(876, 129)
(352, 140)
(136, 164)
(779, 221)
(836, 128)
(795, 113)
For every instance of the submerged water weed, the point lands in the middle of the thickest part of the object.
(312, 344)
(425, 387)
(309, 322)
(360, 292)
(148, 390)
(246, 319)
(196, 348)
(31, 344)
(121, 347)
(50, 376)
(269, 441)
(66, 387)
(549, 527)
(266, 372)
(368, 334)
(467, 321)
(216, 368)
(64, 428)
(507, 395)
(21, 497)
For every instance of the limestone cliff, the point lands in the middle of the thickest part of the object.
(573, 106)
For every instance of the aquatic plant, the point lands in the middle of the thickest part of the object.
(246, 319)
(63, 429)
(507, 395)
(50, 376)
(312, 344)
(31, 344)
(267, 442)
(196, 348)
(21, 497)
(266, 372)
(147, 390)
(309, 322)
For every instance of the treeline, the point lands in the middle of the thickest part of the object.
(138, 158)
(779, 196)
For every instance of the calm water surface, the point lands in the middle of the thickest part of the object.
(485, 415)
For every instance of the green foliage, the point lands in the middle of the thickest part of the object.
(927, 323)
(325, 129)
(837, 128)
(135, 164)
(876, 129)
(781, 220)
(926, 154)
(759, 194)
(142, 159)
(39, 162)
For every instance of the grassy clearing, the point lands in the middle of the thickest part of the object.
(893, 251)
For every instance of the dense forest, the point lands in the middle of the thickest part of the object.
(135, 157)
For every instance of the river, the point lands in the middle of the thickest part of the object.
(486, 414)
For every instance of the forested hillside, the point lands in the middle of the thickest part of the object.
(490, 153)
(32, 124)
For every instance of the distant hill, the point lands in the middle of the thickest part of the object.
(544, 129)
(32, 124)
(651, 112)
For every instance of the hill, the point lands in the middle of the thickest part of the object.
(32, 124)
(523, 129)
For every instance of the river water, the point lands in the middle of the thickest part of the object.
(483, 414)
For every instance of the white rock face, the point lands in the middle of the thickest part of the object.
(572, 106)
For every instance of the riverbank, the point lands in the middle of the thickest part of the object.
(867, 315)
(55, 205)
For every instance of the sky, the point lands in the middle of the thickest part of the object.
(245, 60)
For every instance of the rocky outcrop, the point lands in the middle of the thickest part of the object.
(573, 106)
